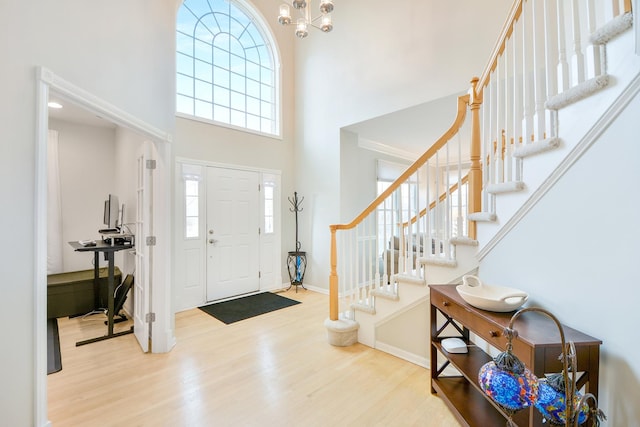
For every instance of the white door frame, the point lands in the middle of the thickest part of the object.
(164, 340)
(274, 282)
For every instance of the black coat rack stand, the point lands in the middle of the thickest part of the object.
(297, 259)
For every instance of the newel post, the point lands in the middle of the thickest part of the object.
(475, 173)
(333, 277)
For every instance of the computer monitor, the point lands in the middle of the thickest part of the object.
(111, 211)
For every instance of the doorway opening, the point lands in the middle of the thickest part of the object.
(49, 85)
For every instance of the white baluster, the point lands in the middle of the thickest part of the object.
(429, 211)
(551, 52)
(438, 213)
(375, 267)
(593, 52)
(447, 206)
(361, 267)
(563, 64)
(385, 240)
(499, 100)
(508, 105)
(551, 30)
(539, 70)
(486, 143)
(577, 57)
(354, 266)
(345, 256)
(417, 216)
(394, 234)
(371, 256)
(493, 132)
(527, 73)
(518, 109)
(459, 219)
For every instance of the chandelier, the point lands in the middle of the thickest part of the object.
(322, 21)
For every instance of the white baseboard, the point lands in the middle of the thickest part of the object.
(403, 354)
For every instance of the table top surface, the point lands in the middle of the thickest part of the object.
(533, 327)
(99, 246)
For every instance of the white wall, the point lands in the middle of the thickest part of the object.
(575, 254)
(201, 141)
(381, 56)
(121, 51)
(407, 333)
(86, 160)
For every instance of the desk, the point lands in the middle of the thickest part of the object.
(109, 251)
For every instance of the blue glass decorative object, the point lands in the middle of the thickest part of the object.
(552, 404)
(512, 391)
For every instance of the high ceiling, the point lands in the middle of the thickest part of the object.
(410, 131)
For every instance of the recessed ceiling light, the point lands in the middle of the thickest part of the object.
(53, 104)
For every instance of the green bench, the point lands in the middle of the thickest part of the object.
(71, 293)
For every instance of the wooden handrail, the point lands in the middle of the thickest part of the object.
(455, 127)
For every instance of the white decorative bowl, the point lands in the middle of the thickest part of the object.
(488, 297)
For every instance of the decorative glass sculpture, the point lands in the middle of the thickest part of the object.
(508, 382)
(552, 401)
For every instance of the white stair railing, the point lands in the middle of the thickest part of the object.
(409, 224)
(549, 55)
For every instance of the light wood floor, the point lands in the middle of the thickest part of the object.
(272, 370)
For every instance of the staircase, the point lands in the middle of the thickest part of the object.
(558, 72)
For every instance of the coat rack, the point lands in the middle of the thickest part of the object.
(297, 259)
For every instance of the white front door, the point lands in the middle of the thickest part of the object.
(232, 232)
(141, 287)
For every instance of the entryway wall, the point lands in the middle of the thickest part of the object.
(190, 251)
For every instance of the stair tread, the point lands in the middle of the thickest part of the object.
(505, 187)
(483, 216)
(410, 279)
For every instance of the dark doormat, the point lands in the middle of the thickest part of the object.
(246, 307)
(54, 359)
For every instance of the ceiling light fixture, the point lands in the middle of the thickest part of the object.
(53, 104)
(322, 21)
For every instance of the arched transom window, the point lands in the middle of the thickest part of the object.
(226, 68)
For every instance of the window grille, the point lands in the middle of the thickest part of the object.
(225, 66)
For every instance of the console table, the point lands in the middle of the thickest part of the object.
(537, 346)
(108, 250)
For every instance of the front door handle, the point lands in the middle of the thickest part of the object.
(212, 241)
